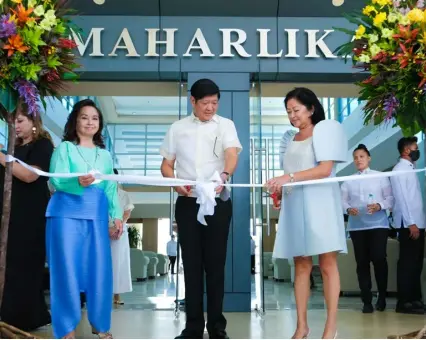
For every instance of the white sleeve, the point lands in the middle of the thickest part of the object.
(345, 197)
(168, 148)
(388, 199)
(400, 188)
(330, 142)
(230, 137)
(127, 203)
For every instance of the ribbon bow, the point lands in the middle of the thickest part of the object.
(206, 196)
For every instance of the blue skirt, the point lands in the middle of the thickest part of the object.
(79, 259)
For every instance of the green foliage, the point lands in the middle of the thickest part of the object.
(389, 44)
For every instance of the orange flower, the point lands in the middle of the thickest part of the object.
(406, 34)
(15, 44)
(23, 15)
(405, 56)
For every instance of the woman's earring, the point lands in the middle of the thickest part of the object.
(34, 129)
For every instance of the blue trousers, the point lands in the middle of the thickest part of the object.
(79, 259)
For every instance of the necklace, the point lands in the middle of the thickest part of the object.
(92, 168)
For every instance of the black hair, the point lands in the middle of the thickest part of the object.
(203, 88)
(115, 171)
(406, 142)
(70, 130)
(309, 99)
(362, 147)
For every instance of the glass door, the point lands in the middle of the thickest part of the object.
(174, 228)
(257, 160)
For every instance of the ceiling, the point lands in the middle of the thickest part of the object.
(218, 8)
(141, 111)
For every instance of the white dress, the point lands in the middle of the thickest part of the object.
(311, 219)
(120, 251)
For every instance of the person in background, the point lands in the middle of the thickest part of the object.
(366, 202)
(24, 304)
(120, 249)
(311, 216)
(201, 145)
(77, 238)
(253, 255)
(172, 253)
(409, 219)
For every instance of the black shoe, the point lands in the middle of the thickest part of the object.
(418, 306)
(407, 308)
(218, 335)
(367, 308)
(381, 304)
(189, 335)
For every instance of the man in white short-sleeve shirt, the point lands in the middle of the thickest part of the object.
(195, 148)
(409, 217)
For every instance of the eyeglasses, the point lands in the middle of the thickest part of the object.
(214, 148)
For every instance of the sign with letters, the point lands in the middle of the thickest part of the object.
(233, 40)
(169, 45)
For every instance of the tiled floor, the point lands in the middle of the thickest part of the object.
(148, 314)
(129, 324)
(160, 294)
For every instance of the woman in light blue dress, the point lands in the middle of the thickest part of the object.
(311, 217)
(77, 236)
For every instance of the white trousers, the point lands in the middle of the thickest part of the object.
(120, 251)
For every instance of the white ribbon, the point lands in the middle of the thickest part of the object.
(205, 190)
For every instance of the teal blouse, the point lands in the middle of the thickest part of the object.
(70, 158)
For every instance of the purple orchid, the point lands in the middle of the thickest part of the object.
(404, 11)
(420, 4)
(7, 26)
(28, 91)
(390, 105)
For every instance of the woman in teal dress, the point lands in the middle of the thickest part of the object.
(77, 236)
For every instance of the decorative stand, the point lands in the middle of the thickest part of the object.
(421, 334)
(10, 332)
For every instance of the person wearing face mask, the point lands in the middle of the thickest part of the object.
(410, 220)
(366, 202)
(200, 145)
(311, 217)
(77, 233)
(24, 304)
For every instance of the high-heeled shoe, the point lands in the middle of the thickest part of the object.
(335, 336)
(305, 336)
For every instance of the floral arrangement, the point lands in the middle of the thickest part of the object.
(35, 59)
(35, 50)
(390, 43)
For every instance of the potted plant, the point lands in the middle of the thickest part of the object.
(35, 60)
(134, 237)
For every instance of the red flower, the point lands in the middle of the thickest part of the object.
(405, 56)
(66, 43)
(369, 80)
(275, 198)
(52, 75)
(381, 57)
